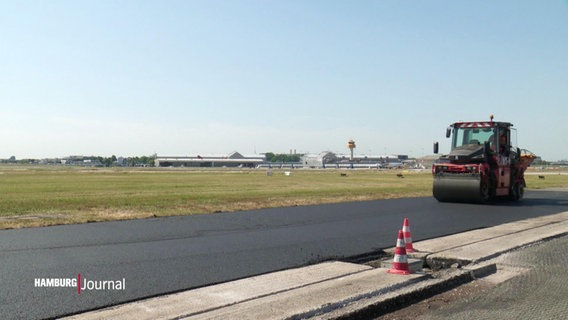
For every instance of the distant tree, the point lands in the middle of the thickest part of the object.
(106, 161)
(269, 156)
(282, 157)
(147, 161)
(279, 158)
(100, 159)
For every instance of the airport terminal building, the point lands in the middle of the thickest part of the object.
(233, 159)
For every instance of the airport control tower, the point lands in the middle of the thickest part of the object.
(351, 146)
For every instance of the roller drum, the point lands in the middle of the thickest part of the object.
(459, 188)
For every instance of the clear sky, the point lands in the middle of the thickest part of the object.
(137, 77)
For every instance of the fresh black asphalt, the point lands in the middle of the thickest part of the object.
(163, 255)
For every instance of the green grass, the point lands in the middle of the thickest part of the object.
(556, 179)
(39, 196)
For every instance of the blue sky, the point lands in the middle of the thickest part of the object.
(200, 77)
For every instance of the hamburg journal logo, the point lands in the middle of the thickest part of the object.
(81, 283)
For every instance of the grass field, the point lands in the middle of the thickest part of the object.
(40, 196)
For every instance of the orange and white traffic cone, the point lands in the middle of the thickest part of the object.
(400, 262)
(407, 236)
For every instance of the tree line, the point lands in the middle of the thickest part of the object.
(146, 161)
(98, 161)
(282, 157)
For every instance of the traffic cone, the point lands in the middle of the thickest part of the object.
(400, 262)
(407, 236)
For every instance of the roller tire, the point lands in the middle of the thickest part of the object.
(485, 192)
(517, 192)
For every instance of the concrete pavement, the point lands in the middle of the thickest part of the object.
(537, 288)
(340, 290)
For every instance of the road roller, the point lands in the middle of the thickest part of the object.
(483, 165)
